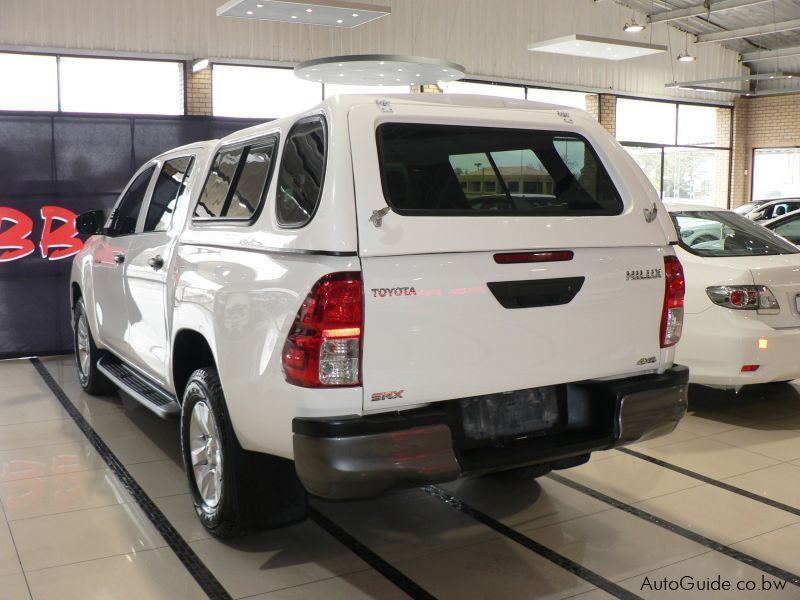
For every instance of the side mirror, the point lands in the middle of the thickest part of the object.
(90, 223)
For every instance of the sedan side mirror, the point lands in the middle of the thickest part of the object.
(90, 223)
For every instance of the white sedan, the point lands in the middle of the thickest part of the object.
(742, 308)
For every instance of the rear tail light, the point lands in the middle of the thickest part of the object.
(749, 368)
(744, 297)
(323, 348)
(672, 314)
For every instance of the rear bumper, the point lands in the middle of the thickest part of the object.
(359, 457)
(718, 342)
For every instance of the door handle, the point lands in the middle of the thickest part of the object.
(119, 257)
(156, 262)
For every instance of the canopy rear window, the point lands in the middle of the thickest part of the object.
(484, 171)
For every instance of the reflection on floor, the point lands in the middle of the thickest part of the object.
(68, 528)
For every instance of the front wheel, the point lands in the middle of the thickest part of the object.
(234, 491)
(87, 355)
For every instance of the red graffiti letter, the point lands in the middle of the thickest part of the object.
(14, 239)
(62, 237)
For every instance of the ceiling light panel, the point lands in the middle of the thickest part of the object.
(331, 13)
(594, 47)
(379, 70)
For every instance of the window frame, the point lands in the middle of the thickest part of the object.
(664, 147)
(192, 156)
(326, 140)
(245, 145)
(414, 212)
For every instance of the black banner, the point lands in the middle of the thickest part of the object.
(52, 167)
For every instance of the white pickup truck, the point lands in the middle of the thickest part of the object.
(385, 291)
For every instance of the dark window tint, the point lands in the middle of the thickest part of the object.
(123, 219)
(251, 182)
(301, 173)
(218, 184)
(170, 188)
(425, 168)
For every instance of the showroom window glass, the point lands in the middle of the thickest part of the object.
(107, 85)
(641, 121)
(334, 90)
(484, 89)
(561, 97)
(31, 82)
(260, 92)
(683, 149)
(776, 173)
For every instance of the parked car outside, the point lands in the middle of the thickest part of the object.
(742, 322)
(326, 310)
(744, 209)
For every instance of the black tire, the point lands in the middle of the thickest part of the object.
(256, 491)
(91, 379)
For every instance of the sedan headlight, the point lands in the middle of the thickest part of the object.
(744, 297)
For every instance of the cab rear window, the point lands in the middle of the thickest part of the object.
(483, 171)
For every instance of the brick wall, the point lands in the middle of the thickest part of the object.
(766, 122)
(198, 92)
(607, 113)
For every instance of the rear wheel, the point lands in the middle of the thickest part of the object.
(87, 355)
(234, 491)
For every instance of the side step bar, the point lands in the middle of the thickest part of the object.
(139, 387)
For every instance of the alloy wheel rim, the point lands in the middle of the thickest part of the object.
(206, 454)
(83, 345)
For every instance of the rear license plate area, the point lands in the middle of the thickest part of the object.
(510, 415)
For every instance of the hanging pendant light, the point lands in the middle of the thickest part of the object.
(633, 26)
(684, 56)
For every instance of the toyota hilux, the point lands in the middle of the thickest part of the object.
(385, 291)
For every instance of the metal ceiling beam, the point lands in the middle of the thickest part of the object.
(770, 54)
(737, 34)
(699, 11)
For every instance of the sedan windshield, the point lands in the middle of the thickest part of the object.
(745, 208)
(724, 233)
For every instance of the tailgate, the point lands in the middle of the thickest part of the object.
(445, 317)
(435, 330)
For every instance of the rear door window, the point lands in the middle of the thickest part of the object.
(474, 171)
(169, 190)
(125, 216)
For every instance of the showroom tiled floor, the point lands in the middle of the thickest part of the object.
(69, 529)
